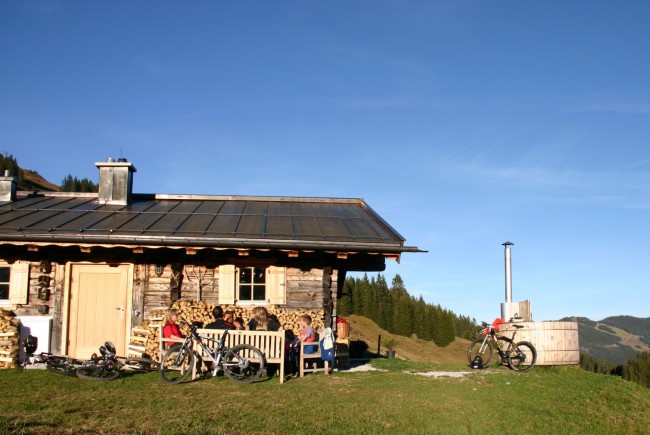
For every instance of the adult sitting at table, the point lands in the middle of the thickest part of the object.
(219, 321)
(261, 321)
(171, 331)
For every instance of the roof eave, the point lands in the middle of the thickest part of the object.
(203, 242)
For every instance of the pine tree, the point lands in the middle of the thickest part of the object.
(9, 163)
(73, 184)
(344, 303)
(395, 310)
(637, 369)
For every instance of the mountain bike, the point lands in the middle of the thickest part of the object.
(242, 363)
(520, 356)
(107, 366)
(59, 364)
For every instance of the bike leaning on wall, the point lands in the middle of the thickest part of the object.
(519, 356)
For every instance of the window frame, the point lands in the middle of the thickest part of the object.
(18, 283)
(275, 291)
(6, 301)
(252, 284)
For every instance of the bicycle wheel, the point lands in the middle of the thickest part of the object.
(474, 349)
(522, 357)
(102, 372)
(176, 365)
(62, 365)
(243, 363)
(140, 365)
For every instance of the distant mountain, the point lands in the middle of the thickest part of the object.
(32, 180)
(614, 339)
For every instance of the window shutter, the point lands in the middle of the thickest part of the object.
(227, 284)
(19, 283)
(276, 278)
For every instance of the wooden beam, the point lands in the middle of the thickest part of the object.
(85, 249)
(190, 251)
(293, 254)
(342, 255)
(138, 250)
(395, 257)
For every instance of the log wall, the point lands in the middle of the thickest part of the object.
(311, 289)
(157, 289)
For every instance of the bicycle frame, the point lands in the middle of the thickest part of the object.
(492, 336)
(216, 354)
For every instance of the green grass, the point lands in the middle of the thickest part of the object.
(546, 400)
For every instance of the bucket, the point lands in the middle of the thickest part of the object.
(343, 330)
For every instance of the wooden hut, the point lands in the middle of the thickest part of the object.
(98, 264)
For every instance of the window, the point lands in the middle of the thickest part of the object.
(252, 284)
(5, 274)
(14, 283)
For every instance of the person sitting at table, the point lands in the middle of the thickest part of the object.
(171, 331)
(219, 321)
(261, 321)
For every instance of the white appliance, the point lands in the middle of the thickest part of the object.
(38, 326)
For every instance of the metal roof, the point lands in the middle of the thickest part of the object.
(246, 222)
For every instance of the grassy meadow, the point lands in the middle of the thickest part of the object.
(546, 400)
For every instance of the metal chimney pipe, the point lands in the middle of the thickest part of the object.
(508, 261)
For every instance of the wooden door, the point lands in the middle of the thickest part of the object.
(99, 308)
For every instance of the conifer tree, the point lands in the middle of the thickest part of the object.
(395, 310)
(9, 163)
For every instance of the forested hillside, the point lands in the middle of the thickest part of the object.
(615, 339)
(31, 180)
(632, 325)
(398, 312)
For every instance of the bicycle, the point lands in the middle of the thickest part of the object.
(59, 364)
(242, 363)
(520, 357)
(108, 366)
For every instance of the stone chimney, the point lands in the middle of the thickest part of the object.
(115, 181)
(7, 188)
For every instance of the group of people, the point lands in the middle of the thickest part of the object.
(261, 321)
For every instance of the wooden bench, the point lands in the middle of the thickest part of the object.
(306, 358)
(270, 343)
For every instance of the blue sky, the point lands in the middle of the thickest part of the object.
(463, 123)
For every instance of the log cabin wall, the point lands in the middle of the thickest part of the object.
(311, 289)
(45, 297)
(157, 289)
(306, 289)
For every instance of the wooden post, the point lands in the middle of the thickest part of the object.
(328, 304)
(140, 281)
(56, 345)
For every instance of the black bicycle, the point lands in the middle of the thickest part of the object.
(59, 364)
(520, 356)
(107, 366)
(242, 363)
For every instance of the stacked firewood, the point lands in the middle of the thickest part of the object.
(201, 312)
(9, 340)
